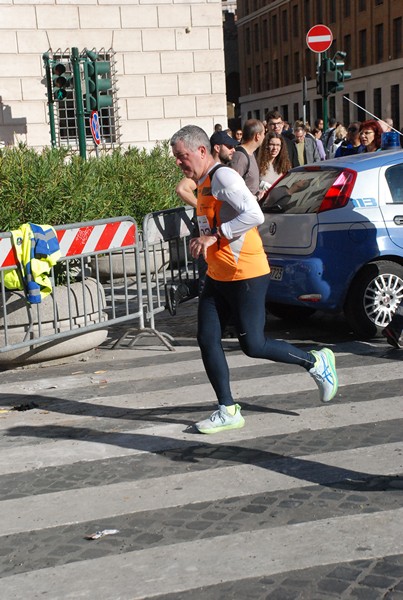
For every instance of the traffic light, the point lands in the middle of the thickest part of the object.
(336, 73)
(61, 81)
(97, 82)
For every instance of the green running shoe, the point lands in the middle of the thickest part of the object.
(221, 420)
(324, 373)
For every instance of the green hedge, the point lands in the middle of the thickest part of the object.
(55, 187)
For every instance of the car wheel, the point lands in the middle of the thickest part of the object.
(289, 311)
(373, 298)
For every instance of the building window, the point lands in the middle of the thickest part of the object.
(265, 34)
(266, 74)
(295, 21)
(319, 14)
(297, 68)
(258, 86)
(247, 40)
(332, 11)
(274, 29)
(362, 5)
(307, 14)
(394, 105)
(284, 112)
(362, 47)
(319, 108)
(378, 2)
(276, 73)
(397, 37)
(249, 80)
(378, 102)
(379, 42)
(346, 8)
(308, 63)
(360, 100)
(286, 74)
(347, 50)
(296, 111)
(346, 111)
(284, 25)
(332, 106)
(256, 36)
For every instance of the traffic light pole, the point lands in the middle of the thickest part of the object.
(80, 119)
(323, 67)
(51, 109)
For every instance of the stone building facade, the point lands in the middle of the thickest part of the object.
(274, 57)
(169, 63)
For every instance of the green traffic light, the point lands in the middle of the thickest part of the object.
(97, 84)
(60, 94)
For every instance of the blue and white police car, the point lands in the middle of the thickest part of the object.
(333, 233)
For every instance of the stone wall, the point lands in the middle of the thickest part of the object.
(170, 63)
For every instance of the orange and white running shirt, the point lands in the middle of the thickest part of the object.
(228, 203)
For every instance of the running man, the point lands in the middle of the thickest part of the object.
(236, 281)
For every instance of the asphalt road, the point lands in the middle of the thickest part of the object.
(304, 503)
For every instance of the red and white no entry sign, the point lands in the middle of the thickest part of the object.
(319, 38)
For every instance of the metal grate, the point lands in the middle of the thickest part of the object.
(65, 110)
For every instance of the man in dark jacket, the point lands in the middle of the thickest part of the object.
(307, 149)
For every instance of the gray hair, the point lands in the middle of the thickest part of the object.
(193, 137)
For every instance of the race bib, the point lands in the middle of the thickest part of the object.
(204, 226)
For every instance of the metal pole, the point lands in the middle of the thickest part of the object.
(304, 99)
(325, 94)
(372, 115)
(51, 108)
(75, 59)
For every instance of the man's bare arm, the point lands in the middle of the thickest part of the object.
(185, 190)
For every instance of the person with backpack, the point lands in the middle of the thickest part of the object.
(237, 278)
(244, 160)
(222, 148)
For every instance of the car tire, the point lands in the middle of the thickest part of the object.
(373, 298)
(289, 311)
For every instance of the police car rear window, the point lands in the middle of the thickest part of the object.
(300, 192)
(394, 178)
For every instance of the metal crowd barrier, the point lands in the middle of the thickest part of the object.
(96, 286)
(164, 242)
(109, 274)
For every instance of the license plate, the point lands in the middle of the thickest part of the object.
(276, 273)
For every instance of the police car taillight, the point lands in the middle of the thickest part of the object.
(340, 192)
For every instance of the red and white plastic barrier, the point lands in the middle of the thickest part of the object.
(75, 240)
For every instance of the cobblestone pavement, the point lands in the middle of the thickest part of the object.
(304, 503)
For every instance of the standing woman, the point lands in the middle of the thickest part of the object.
(272, 159)
(371, 135)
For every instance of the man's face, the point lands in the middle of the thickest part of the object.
(225, 153)
(191, 162)
(275, 125)
(299, 134)
(260, 137)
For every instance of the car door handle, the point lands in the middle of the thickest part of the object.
(398, 219)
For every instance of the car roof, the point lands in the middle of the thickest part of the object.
(361, 162)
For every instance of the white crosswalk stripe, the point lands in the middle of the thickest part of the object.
(197, 493)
